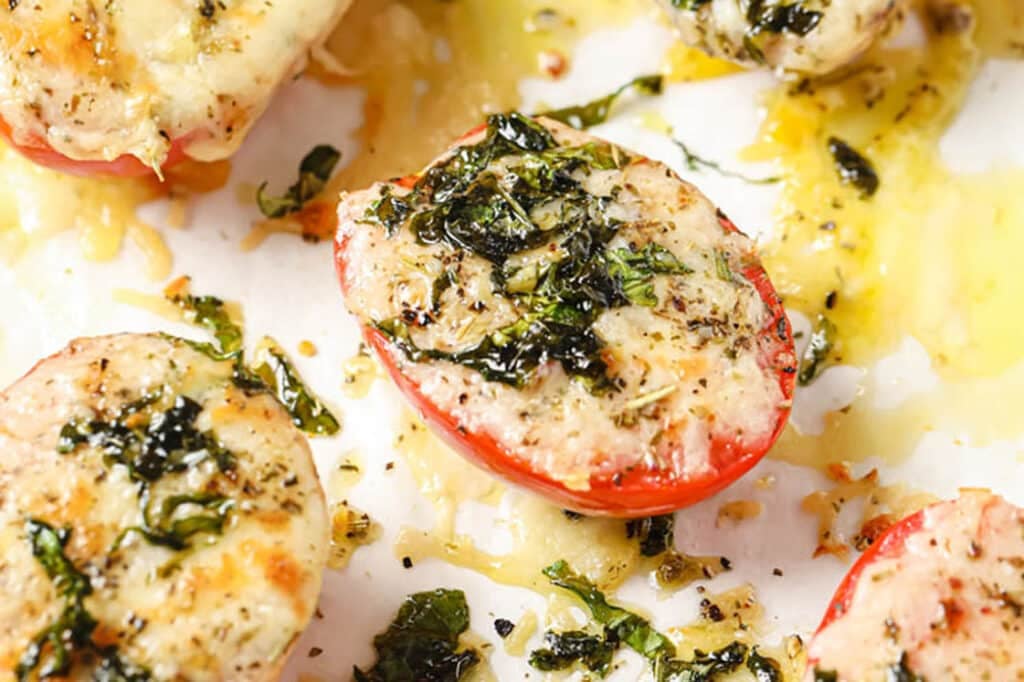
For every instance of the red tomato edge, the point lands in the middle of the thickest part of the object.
(890, 545)
(125, 166)
(633, 493)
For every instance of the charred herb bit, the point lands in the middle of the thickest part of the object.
(901, 672)
(307, 410)
(563, 649)
(763, 669)
(655, 533)
(704, 667)
(853, 168)
(825, 675)
(596, 112)
(504, 627)
(422, 643)
(816, 354)
(765, 16)
(696, 163)
(72, 631)
(689, 4)
(314, 171)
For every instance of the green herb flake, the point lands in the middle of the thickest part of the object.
(704, 667)
(307, 410)
(597, 111)
(634, 271)
(770, 17)
(695, 163)
(764, 669)
(51, 653)
(815, 357)
(314, 171)
(210, 313)
(691, 5)
(825, 675)
(656, 534)
(422, 643)
(853, 168)
(564, 649)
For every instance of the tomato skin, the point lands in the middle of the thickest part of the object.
(124, 166)
(633, 493)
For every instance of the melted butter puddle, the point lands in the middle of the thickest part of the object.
(37, 203)
(433, 70)
(932, 255)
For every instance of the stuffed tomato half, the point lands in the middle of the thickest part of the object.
(939, 596)
(571, 316)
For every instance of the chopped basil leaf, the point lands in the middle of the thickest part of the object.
(816, 354)
(695, 163)
(624, 627)
(655, 533)
(853, 168)
(627, 627)
(52, 650)
(763, 669)
(825, 675)
(596, 112)
(764, 15)
(307, 410)
(209, 312)
(634, 270)
(563, 649)
(422, 643)
(314, 172)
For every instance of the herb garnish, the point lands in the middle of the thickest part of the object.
(695, 163)
(274, 372)
(463, 205)
(655, 533)
(422, 643)
(815, 356)
(901, 672)
(764, 669)
(314, 171)
(689, 4)
(563, 649)
(596, 112)
(764, 15)
(624, 627)
(152, 446)
(307, 411)
(72, 631)
(825, 675)
(853, 168)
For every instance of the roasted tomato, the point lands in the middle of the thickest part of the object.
(38, 151)
(130, 88)
(940, 596)
(571, 316)
(810, 38)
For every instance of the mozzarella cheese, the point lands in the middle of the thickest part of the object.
(691, 369)
(844, 30)
(949, 606)
(97, 80)
(228, 607)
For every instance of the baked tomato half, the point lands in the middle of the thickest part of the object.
(125, 166)
(939, 596)
(571, 316)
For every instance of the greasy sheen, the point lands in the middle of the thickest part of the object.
(95, 80)
(845, 30)
(951, 602)
(689, 368)
(228, 608)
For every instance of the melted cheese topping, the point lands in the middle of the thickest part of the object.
(845, 29)
(951, 602)
(690, 368)
(98, 80)
(231, 606)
